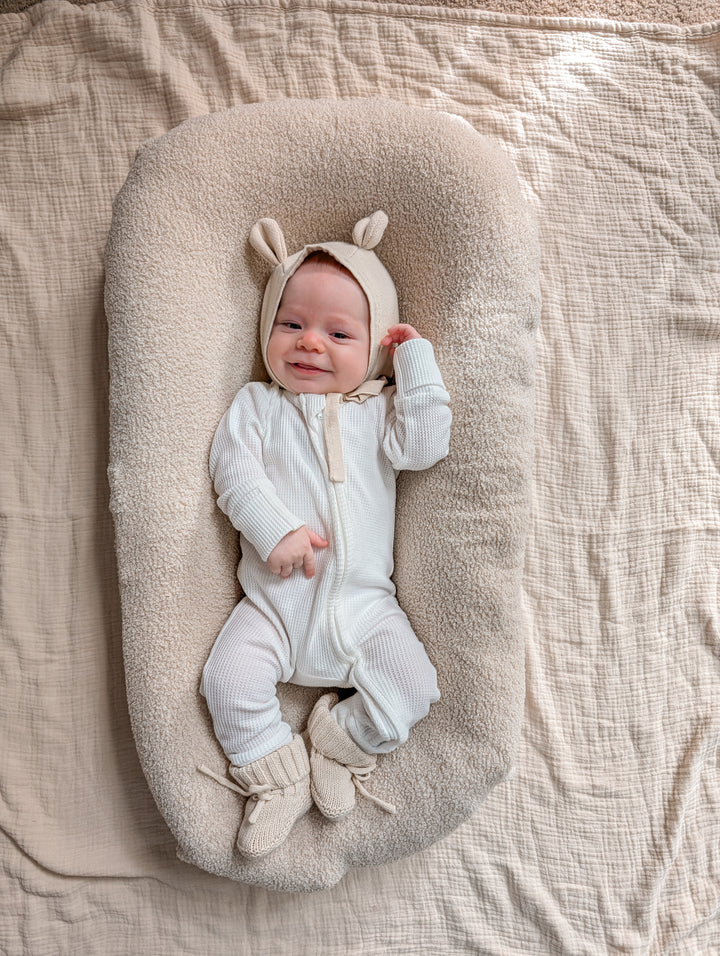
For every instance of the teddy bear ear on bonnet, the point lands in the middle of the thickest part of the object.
(267, 239)
(368, 232)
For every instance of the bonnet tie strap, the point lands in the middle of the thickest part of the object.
(331, 431)
(331, 423)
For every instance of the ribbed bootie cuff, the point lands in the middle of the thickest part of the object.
(327, 736)
(279, 769)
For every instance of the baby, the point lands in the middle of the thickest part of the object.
(305, 468)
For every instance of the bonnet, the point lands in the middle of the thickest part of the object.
(358, 257)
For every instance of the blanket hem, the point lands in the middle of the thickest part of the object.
(473, 15)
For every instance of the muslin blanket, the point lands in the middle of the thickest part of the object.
(605, 839)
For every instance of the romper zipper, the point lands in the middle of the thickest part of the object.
(341, 545)
(333, 598)
(336, 589)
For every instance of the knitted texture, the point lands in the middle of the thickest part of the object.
(278, 790)
(332, 751)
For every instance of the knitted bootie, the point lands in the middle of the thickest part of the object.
(278, 790)
(337, 765)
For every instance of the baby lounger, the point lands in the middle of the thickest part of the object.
(183, 295)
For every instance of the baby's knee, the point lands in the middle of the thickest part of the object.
(213, 683)
(225, 679)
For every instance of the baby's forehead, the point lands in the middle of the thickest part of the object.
(314, 266)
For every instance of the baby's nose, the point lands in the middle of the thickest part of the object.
(311, 340)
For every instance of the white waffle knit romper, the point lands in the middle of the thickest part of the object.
(343, 627)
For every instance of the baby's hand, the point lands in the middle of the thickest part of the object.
(295, 550)
(397, 334)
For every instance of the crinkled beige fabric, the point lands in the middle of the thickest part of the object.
(606, 838)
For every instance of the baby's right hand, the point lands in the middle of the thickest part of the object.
(397, 334)
(295, 550)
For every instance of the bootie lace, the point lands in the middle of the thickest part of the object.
(359, 776)
(263, 792)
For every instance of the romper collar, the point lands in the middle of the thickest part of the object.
(331, 420)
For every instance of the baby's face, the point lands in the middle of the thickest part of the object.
(320, 341)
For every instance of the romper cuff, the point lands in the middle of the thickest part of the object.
(415, 366)
(261, 518)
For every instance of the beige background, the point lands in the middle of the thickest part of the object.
(605, 839)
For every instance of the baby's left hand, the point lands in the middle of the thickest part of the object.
(397, 334)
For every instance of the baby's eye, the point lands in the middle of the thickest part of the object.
(340, 335)
(289, 324)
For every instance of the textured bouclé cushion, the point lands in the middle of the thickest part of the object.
(183, 294)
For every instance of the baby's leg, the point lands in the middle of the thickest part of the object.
(396, 684)
(248, 658)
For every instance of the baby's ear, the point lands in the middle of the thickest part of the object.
(368, 232)
(267, 238)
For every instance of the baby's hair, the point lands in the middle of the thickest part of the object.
(322, 258)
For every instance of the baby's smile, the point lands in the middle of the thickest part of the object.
(320, 341)
(304, 367)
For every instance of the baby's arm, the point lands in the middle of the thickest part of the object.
(417, 430)
(246, 494)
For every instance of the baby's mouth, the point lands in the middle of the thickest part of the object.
(302, 367)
